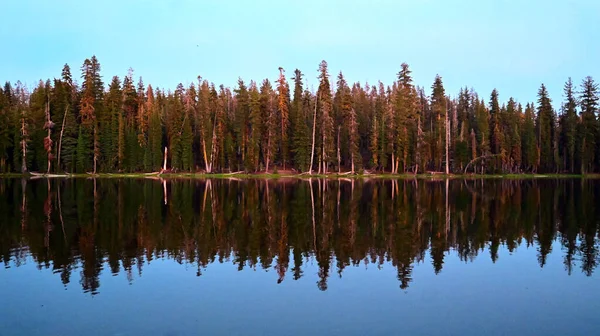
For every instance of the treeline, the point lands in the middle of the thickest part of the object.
(286, 227)
(63, 126)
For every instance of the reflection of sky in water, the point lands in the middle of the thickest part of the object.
(512, 296)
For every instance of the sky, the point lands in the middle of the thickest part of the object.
(511, 45)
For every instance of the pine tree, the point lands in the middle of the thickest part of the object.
(546, 130)
(21, 133)
(438, 109)
(112, 152)
(65, 94)
(483, 127)
(325, 120)
(589, 131)
(206, 123)
(154, 151)
(187, 138)
(348, 118)
(283, 105)
(90, 105)
(462, 142)
(405, 116)
(528, 141)
(512, 135)
(568, 127)
(130, 112)
(301, 104)
(38, 103)
(495, 126)
(269, 120)
(5, 127)
(143, 122)
(174, 125)
(256, 129)
(242, 121)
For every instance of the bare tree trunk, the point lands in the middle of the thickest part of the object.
(206, 163)
(393, 162)
(312, 151)
(62, 129)
(213, 145)
(165, 160)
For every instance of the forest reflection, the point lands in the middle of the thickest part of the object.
(90, 226)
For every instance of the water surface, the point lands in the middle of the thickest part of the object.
(295, 257)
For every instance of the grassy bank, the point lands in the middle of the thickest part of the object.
(306, 176)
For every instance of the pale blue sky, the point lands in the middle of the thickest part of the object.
(512, 45)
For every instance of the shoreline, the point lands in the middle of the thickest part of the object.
(302, 176)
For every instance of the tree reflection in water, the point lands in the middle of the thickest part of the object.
(121, 225)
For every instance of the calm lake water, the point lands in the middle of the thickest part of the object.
(258, 257)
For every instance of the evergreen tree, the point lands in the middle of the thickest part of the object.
(5, 127)
(153, 157)
(256, 129)
(325, 120)
(300, 127)
(186, 135)
(348, 120)
(546, 130)
(112, 153)
(65, 105)
(529, 145)
(496, 129)
(283, 106)
(90, 106)
(143, 123)
(405, 117)
(131, 149)
(568, 127)
(242, 121)
(269, 120)
(588, 101)
(512, 135)
(438, 110)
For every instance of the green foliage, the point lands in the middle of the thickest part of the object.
(546, 131)
(301, 113)
(397, 128)
(529, 142)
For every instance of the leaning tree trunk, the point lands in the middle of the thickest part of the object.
(62, 129)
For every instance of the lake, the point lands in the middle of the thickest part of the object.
(299, 257)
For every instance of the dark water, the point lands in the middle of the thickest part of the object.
(257, 257)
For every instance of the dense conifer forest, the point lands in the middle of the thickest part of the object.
(277, 125)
